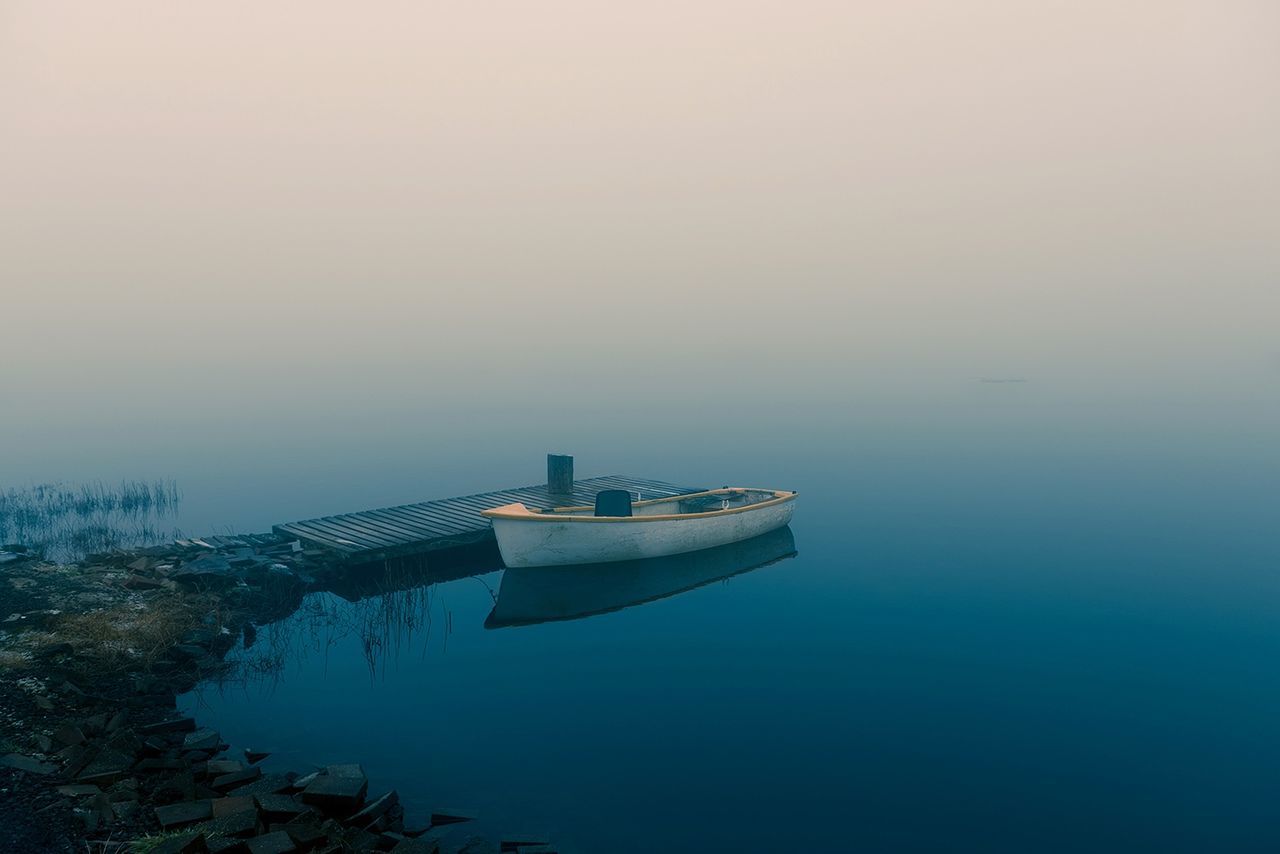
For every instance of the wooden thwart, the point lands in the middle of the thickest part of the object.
(431, 525)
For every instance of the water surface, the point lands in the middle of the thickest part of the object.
(979, 648)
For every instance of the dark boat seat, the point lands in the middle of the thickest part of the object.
(613, 502)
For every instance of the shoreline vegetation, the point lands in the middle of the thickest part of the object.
(94, 653)
(65, 522)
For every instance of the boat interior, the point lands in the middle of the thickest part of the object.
(620, 503)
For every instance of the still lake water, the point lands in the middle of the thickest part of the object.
(989, 639)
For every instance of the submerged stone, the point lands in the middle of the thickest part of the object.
(376, 810)
(416, 846)
(449, 815)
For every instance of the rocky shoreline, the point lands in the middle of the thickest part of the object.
(93, 755)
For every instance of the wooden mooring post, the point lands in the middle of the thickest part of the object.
(559, 474)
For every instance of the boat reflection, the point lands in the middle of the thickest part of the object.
(545, 594)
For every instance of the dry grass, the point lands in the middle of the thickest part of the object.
(133, 635)
(11, 659)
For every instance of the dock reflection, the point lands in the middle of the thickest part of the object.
(546, 594)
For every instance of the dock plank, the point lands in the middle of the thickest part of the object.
(413, 528)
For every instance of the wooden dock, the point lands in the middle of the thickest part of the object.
(415, 528)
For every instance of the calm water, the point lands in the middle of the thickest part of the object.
(988, 639)
(383, 258)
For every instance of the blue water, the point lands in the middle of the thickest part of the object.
(983, 643)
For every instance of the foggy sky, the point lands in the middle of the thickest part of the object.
(207, 204)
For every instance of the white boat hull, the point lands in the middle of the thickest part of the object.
(542, 540)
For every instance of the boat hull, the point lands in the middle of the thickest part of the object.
(559, 542)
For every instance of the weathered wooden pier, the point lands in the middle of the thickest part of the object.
(449, 522)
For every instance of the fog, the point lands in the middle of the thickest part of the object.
(270, 234)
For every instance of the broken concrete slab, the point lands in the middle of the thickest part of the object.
(117, 720)
(375, 810)
(337, 793)
(226, 806)
(348, 770)
(241, 824)
(78, 791)
(189, 843)
(268, 784)
(451, 815)
(183, 813)
(107, 767)
(161, 763)
(416, 846)
(476, 845)
(218, 767)
(27, 763)
(202, 739)
(305, 832)
(280, 807)
(237, 778)
(274, 843)
(174, 725)
(277, 842)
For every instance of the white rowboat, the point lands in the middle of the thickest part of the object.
(634, 530)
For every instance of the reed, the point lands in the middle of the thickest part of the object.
(66, 522)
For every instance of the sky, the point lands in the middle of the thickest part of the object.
(305, 213)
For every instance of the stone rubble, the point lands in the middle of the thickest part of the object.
(110, 753)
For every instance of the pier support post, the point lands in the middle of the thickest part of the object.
(559, 474)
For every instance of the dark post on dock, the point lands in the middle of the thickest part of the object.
(559, 474)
